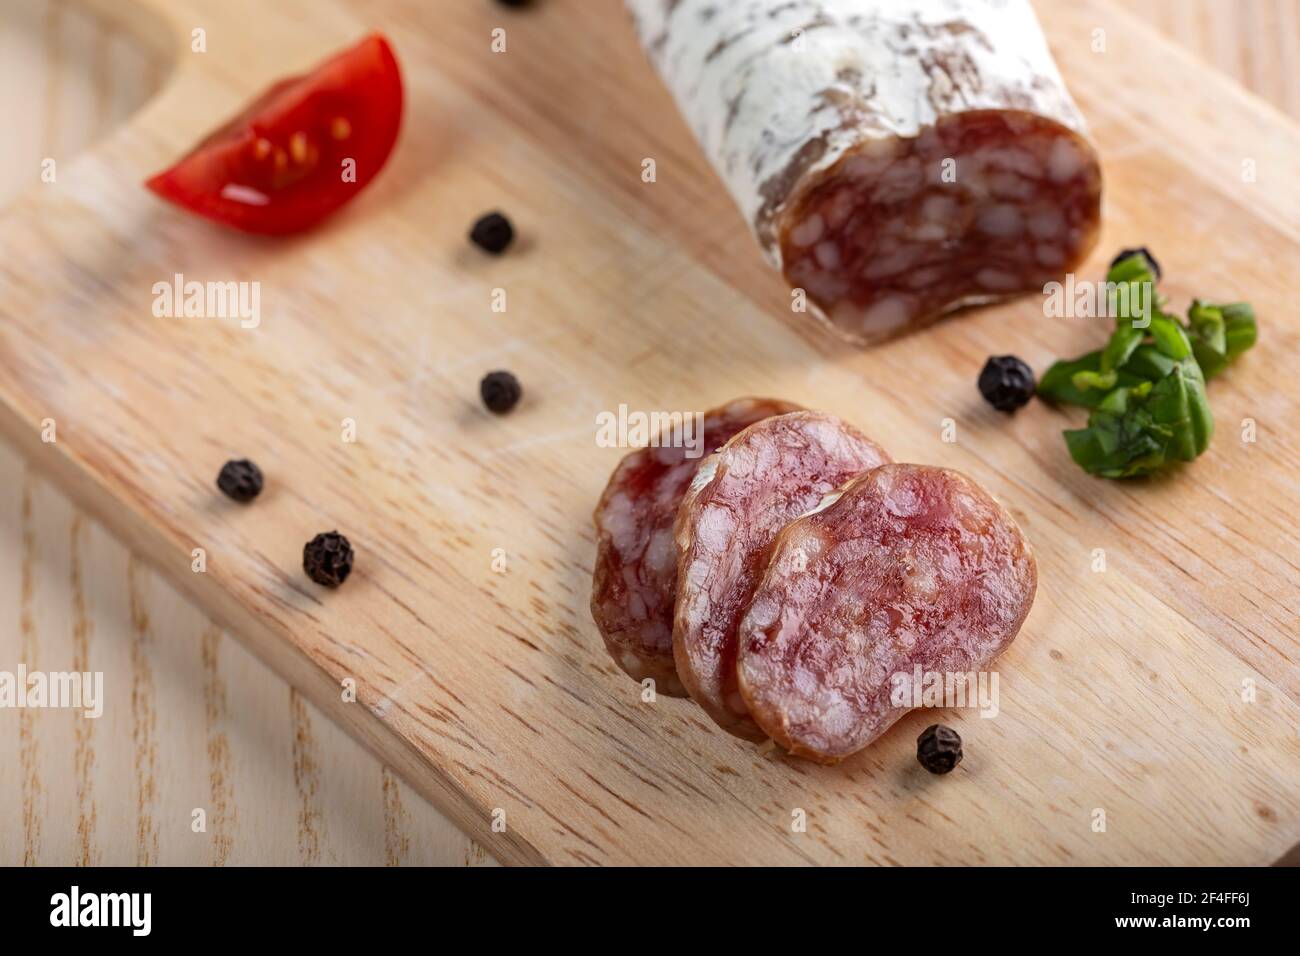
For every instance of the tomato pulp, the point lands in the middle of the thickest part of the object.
(300, 151)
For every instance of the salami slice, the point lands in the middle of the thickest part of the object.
(635, 582)
(896, 159)
(767, 475)
(907, 565)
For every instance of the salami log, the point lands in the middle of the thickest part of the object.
(634, 585)
(907, 565)
(767, 475)
(896, 159)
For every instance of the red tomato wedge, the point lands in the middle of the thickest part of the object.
(300, 150)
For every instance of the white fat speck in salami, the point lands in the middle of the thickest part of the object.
(634, 585)
(767, 475)
(907, 566)
(840, 125)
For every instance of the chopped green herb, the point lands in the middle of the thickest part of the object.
(1144, 253)
(1136, 431)
(1146, 388)
(1241, 330)
(1101, 382)
(1131, 288)
(1220, 333)
(1121, 345)
(1136, 266)
(1208, 325)
(1170, 339)
(1057, 383)
(1147, 363)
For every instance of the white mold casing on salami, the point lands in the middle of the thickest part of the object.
(830, 122)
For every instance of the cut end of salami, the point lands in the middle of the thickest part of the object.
(980, 207)
(739, 500)
(634, 585)
(896, 159)
(908, 566)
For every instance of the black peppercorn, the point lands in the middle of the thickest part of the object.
(327, 559)
(500, 391)
(240, 480)
(492, 233)
(938, 749)
(1142, 250)
(1006, 382)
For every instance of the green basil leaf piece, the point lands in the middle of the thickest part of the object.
(1123, 342)
(1057, 383)
(1147, 364)
(1170, 338)
(1241, 331)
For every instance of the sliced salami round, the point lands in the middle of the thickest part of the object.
(907, 566)
(635, 581)
(758, 482)
(896, 159)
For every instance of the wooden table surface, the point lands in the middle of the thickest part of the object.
(204, 732)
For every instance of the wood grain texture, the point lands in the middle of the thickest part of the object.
(490, 691)
(191, 722)
(233, 738)
(1256, 42)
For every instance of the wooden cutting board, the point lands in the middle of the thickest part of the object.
(1159, 695)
